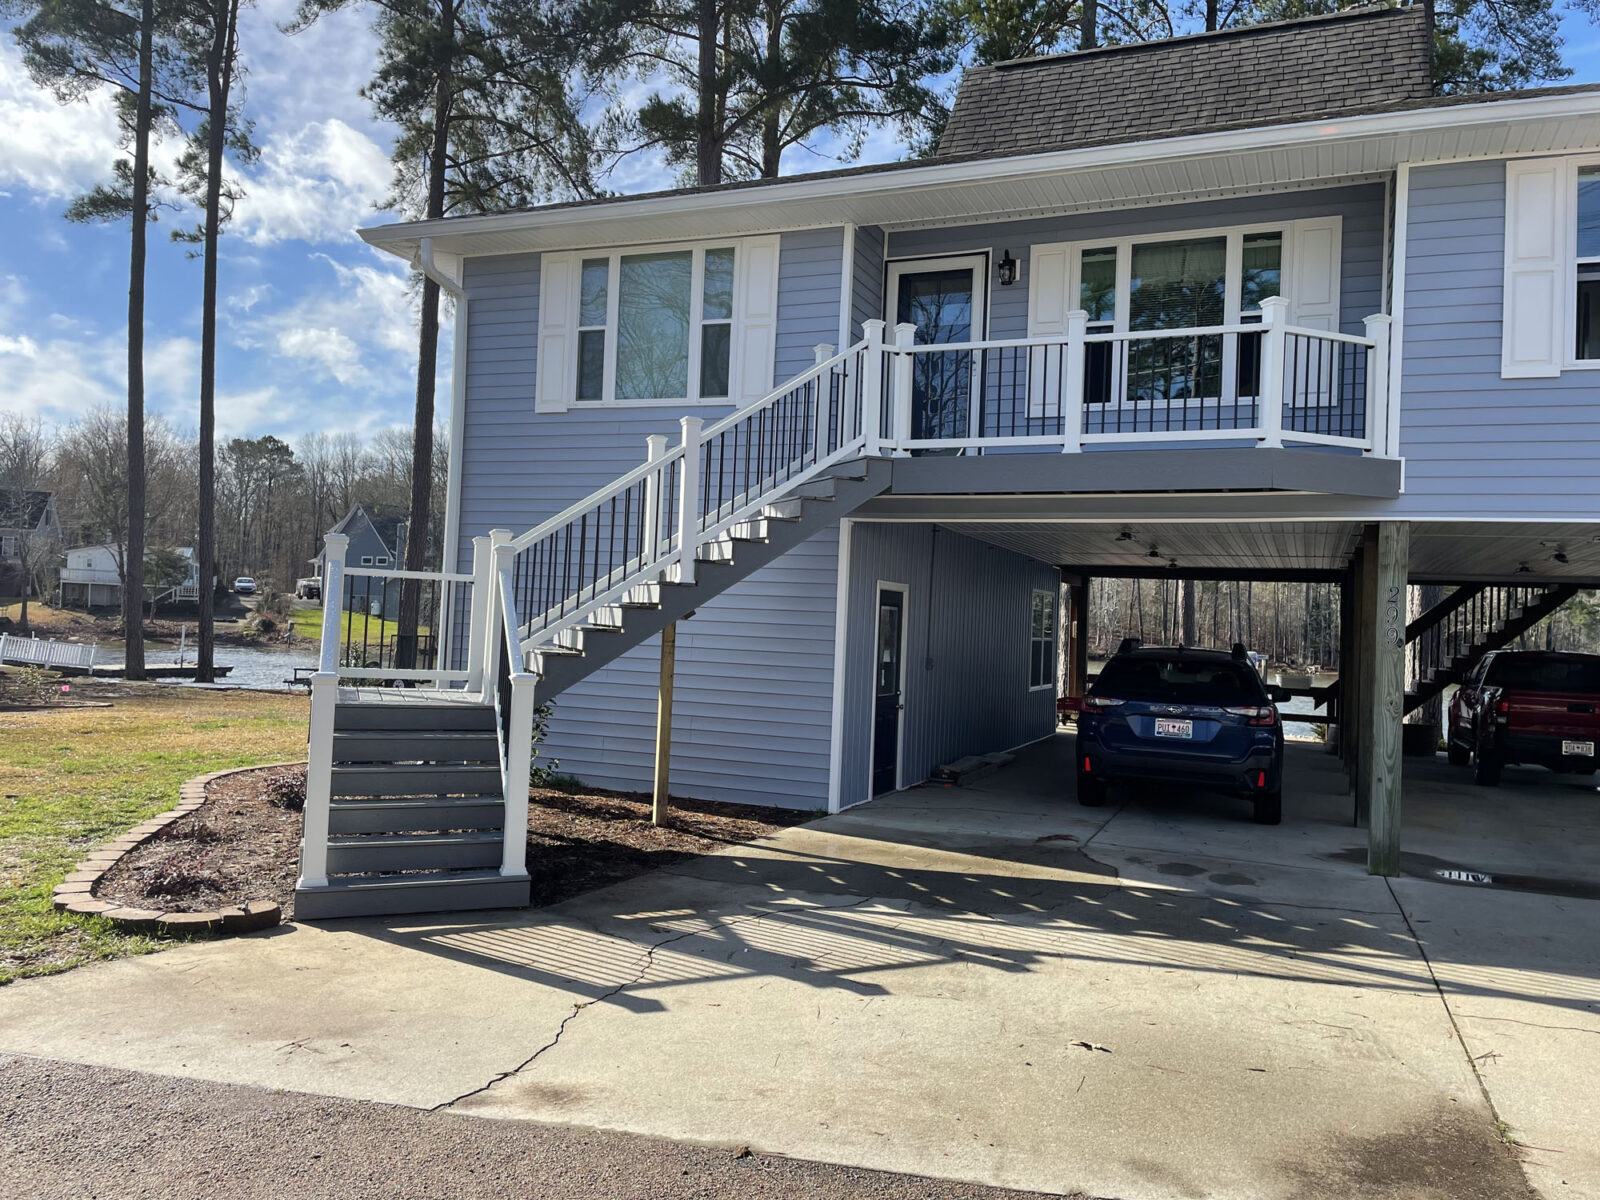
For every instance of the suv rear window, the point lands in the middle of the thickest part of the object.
(1179, 680)
(1545, 674)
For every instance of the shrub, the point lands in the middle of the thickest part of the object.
(287, 789)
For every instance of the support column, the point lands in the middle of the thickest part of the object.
(669, 654)
(1387, 685)
(1078, 666)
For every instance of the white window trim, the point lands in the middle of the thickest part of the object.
(381, 560)
(1054, 603)
(1568, 358)
(366, 560)
(568, 372)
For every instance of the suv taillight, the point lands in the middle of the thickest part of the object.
(1101, 702)
(1255, 716)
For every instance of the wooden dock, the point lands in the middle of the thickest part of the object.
(152, 671)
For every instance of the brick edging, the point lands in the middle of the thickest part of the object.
(75, 893)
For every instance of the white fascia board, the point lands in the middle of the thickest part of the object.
(401, 238)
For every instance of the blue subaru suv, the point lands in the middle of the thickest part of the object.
(1200, 717)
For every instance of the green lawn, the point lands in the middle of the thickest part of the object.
(356, 628)
(72, 779)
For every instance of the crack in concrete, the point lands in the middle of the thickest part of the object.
(649, 949)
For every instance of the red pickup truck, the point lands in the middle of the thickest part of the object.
(1527, 706)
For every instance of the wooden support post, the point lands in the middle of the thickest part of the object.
(662, 798)
(1078, 667)
(1365, 659)
(1387, 686)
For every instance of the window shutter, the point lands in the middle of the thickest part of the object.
(558, 333)
(756, 323)
(1536, 222)
(1049, 283)
(1313, 277)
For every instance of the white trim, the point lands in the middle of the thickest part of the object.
(978, 263)
(1397, 314)
(1569, 299)
(458, 431)
(878, 589)
(847, 283)
(1055, 642)
(1324, 132)
(841, 630)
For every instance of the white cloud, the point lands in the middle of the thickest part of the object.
(331, 349)
(52, 149)
(317, 184)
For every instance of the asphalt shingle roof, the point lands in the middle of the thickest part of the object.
(1363, 60)
(21, 509)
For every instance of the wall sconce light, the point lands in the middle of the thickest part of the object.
(1154, 553)
(1008, 269)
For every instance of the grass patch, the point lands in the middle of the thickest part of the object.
(355, 629)
(75, 778)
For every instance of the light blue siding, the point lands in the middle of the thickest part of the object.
(866, 279)
(1361, 207)
(755, 666)
(1476, 444)
(968, 611)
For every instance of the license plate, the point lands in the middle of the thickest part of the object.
(1177, 729)
(1586, 749)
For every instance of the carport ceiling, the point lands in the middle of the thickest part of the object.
(1443, 551)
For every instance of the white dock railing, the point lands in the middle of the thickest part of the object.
(39, 652)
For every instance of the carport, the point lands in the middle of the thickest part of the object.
(1420, 602)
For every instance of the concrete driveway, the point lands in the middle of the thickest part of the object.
(987, 984)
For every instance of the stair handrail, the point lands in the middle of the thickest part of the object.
(650, 518)
(518, 740)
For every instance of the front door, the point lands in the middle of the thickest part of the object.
(944, 299)
(889, 694)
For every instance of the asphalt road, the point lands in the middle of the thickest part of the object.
(93, 1133)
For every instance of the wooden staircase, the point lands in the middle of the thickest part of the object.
(1445, 643)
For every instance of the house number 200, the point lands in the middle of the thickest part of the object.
(1393, 632)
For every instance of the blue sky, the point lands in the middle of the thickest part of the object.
(317, 331)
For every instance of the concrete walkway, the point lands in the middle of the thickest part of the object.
(986, 984)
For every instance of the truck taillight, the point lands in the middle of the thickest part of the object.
(1503, 707)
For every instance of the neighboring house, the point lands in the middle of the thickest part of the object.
(1249, 304)
(90, 579)
(30, 534)
(377, 541)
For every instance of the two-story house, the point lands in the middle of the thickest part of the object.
(1249, 304)
(91, 577)
(30, 535)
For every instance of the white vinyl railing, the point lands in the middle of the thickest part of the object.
(39, 652)
(1267, 382)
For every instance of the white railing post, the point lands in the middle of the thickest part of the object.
(1072, 374)
(650, 544)
(481, 612)
(823, 352)
(1383, 414)
(500, 552)
(1274, 317)
(689, 499)
(519, 763)
(900, 390)
(872, 389)
(819, 397)
(324, 706)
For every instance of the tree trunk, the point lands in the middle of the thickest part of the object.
(772, 119)
(1212, 7)
(405, 653)
(708, 147)
(1088, 21)
(133, 584)
(219, 71)
(1191, 634)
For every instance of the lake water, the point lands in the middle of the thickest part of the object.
(266, 667)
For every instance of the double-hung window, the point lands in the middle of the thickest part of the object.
(655, 325)
(1042, 641)
(1587, 299)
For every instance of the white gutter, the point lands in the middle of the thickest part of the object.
(429, 267)
(990, 170)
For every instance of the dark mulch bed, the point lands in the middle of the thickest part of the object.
(241, 846)
(584, 840)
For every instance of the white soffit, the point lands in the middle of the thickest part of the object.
(1209, 165)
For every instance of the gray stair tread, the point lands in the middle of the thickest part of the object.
(420, 800)
(471, 768)
(446, 735)
(415, 879)
(414, 839)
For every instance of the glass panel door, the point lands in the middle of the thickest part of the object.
(941, 303)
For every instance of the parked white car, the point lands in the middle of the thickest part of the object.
(245, 585)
